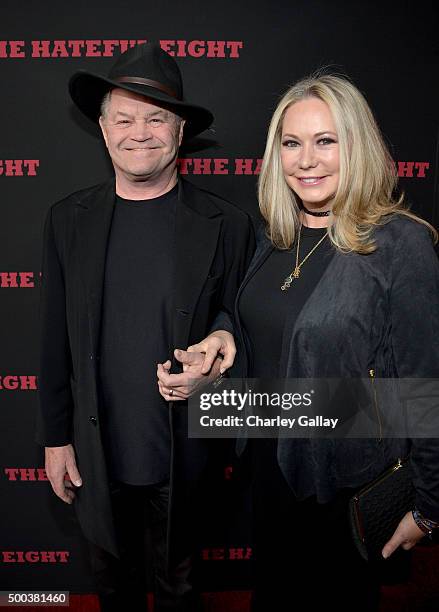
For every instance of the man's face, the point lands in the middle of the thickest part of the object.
(142, 139)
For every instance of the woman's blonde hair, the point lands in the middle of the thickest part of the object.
(365, 194)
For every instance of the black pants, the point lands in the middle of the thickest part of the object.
(303, 551)
(141, 519)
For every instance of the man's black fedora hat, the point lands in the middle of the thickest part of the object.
(144, 69)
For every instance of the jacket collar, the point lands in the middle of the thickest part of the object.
(102, 198)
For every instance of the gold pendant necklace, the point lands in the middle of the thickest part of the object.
(296, 271)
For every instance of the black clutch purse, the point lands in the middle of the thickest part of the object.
(377, 508)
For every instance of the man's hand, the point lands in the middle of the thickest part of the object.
(219, 342)
(406, 535)
(60, 460)
(178, 387)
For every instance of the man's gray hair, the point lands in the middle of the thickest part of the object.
(105, 104)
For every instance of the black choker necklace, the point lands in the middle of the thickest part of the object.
(323, 213)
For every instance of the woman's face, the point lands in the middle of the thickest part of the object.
(310, 153)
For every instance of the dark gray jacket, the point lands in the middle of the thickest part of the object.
(377, 311)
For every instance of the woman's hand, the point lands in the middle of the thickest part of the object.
(406, 535)
(178, 387)
(218, 342)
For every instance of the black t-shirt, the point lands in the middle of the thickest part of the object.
(263, 306)
(135, 336)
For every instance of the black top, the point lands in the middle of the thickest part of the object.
(135, 336)
(264, 307)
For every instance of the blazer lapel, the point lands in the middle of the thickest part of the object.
(95, 213)
(197, 227)
(198, 223)
(263, 250)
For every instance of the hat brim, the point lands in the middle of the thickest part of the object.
(87, 90)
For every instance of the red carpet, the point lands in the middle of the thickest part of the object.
(420, 594)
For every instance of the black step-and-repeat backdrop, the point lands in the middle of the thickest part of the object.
(236, 58)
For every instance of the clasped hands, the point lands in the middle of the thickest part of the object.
(202, 364)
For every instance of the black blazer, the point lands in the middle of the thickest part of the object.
(378, 311)
(213, 246)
